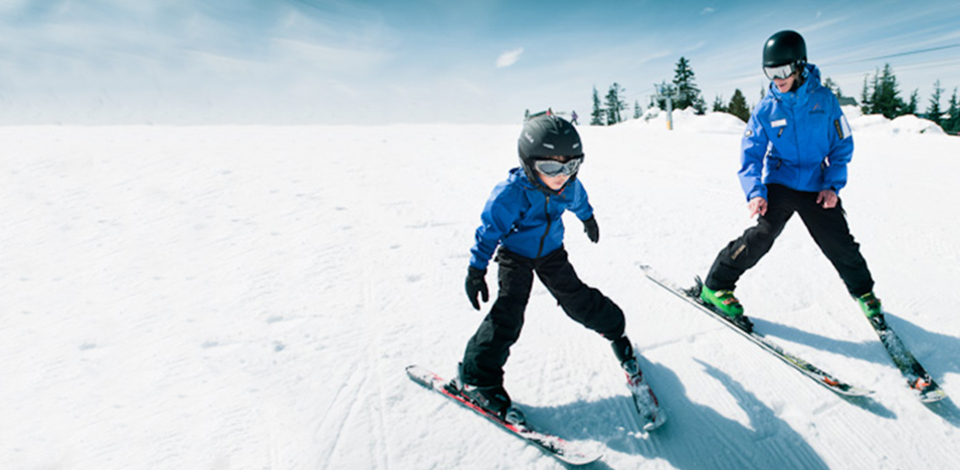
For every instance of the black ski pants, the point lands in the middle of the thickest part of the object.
(488, 349)
(829, 230)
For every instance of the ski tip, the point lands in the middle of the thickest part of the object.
(579, 460)
(933, 396)
(656, 423)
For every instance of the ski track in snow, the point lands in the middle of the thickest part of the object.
(248, 298)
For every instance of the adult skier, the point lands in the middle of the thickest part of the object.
(794, 157)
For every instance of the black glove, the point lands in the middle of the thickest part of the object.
(591, 228)
(475, 284)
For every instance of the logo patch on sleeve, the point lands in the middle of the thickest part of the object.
(844, 127)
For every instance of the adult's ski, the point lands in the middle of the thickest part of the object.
(563, 450)
(917, 377)
(692, 296)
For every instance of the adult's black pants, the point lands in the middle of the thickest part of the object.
(829, 230)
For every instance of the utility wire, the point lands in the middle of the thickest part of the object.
(900, 54)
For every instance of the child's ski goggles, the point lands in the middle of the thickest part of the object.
(553, 168)
(780, 71)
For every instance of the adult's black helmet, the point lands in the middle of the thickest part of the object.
(547, 136)
(785, 47)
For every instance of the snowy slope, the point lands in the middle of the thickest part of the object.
(248, 297)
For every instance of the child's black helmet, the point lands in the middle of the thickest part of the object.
(547, 136)
(784, 47)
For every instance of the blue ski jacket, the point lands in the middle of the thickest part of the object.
(799, 139)
(525, 219)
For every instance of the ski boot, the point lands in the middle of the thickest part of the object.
(870, 305)
(492, 398)
(723, 301)
(623, 349)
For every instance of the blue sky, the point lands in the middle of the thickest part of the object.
(375, 62)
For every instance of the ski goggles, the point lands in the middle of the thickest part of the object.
(553, 168)
(780, 71)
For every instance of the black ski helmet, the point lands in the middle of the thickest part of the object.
(547, 136)
(785, 47)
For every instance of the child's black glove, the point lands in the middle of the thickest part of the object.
(591, 228)
(476, 285)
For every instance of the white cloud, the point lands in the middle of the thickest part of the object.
(708, 10)
(509, 58)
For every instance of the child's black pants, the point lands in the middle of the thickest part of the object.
(488, 349)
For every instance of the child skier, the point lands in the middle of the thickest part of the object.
(523, 217)
(794, 158)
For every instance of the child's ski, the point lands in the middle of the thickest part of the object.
(692, 295)
(563, 450)
(648, 407)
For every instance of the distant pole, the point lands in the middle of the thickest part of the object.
(669, 112)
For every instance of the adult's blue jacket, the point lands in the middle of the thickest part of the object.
(799, 139)
(524, 219)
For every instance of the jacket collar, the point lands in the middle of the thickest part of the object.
(810, 84)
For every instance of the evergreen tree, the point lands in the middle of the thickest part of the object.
(952, 124)
(700, 106)
(683, 79)
(934, 111)
(885, 98)
(615, 104)
(911, 106)
(832, 86)
(596, 116)
(738, 106)
(718, 106)
(637, 109)
(865, 105)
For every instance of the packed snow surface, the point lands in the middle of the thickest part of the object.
(248, 298)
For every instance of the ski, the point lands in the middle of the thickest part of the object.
(917, 377)
(648, 407)
(563, 450)
(692, 295)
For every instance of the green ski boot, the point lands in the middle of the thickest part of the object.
(870, 305)
(725, 302)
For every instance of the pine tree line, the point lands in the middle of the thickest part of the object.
(880, 95)
(612, 110)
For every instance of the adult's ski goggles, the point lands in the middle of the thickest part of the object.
(553, 168)
(780, 71)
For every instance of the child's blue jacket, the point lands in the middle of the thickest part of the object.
(799, 139)
(524, 219)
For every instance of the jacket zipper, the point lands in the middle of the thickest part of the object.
(544, 237)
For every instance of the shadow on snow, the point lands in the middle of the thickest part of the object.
(938, 353)
(694, 437)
